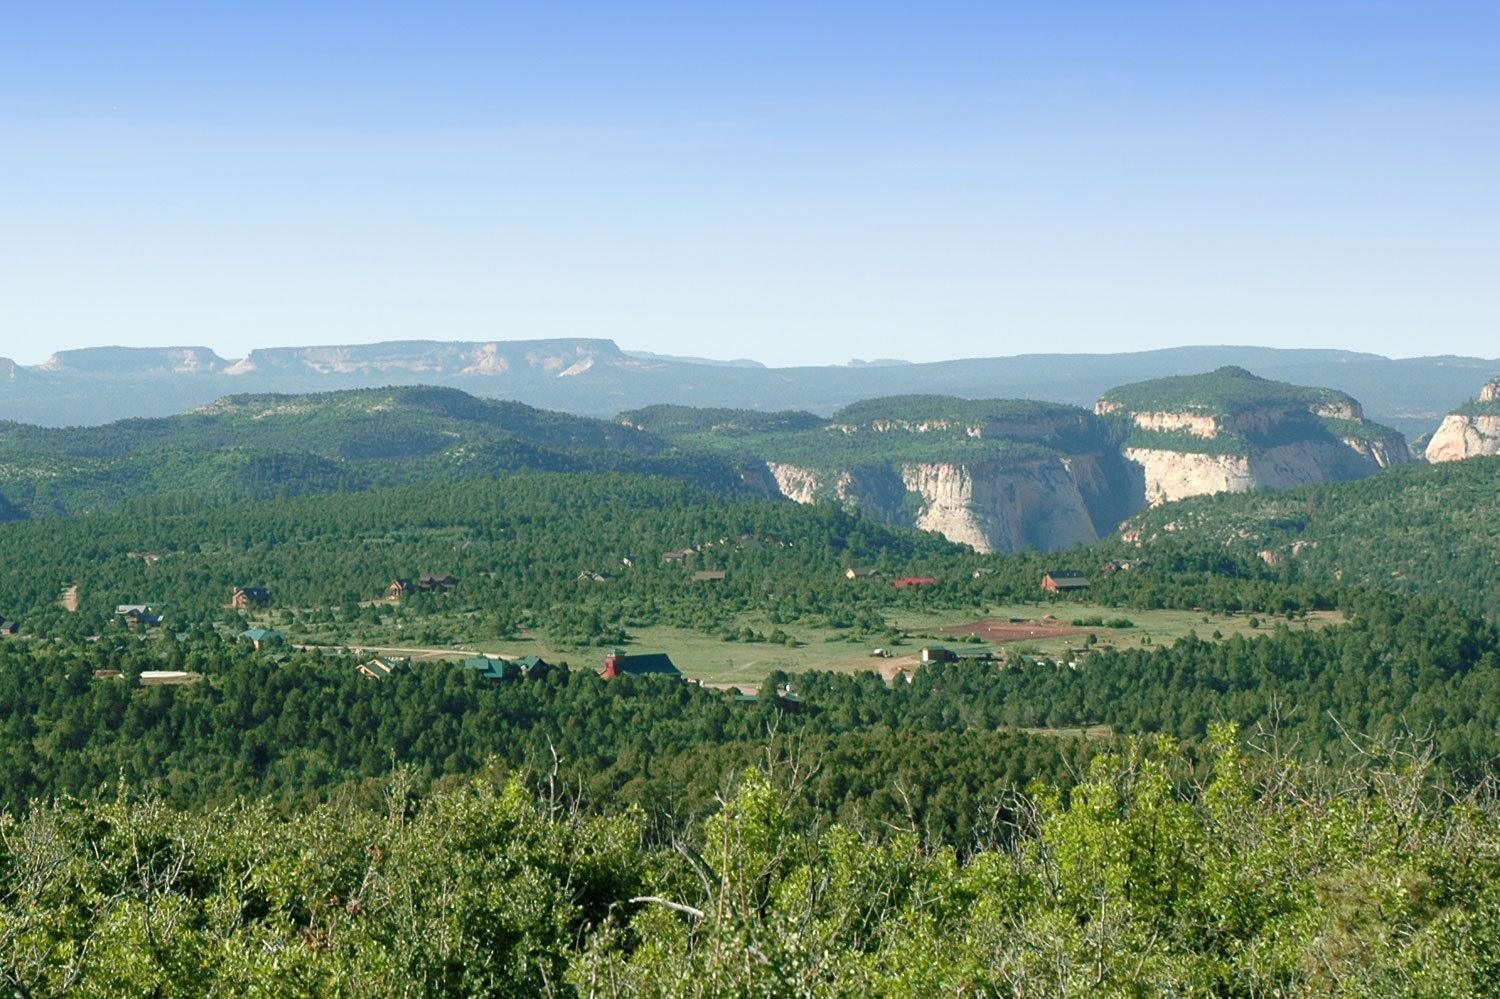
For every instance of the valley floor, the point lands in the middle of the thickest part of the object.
(715, 662)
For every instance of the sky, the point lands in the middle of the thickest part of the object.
(795, 182)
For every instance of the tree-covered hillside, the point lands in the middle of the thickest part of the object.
(928, 428)
(270, 445)
(518, 544)
(1222, 392)
(1423, 529)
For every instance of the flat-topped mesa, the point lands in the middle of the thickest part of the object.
(1472, 430)
(561, 357)
(1232, 431)
(136, 361)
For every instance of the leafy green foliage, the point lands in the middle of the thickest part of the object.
(1266, 879)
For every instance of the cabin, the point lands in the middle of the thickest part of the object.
(617, 663)
(710, 576)
(261, 637)
(532, 667)
(137, 616)
(1064, 580)
(398, 589)
(249, 596)
(381, 667)
(1125, 565)
(587, 576)
(861, 573)
(440, 583)
(501, 668)
(8, 627)
(937, 654)
(678, 555)
(906, 581)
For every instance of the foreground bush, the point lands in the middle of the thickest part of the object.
(1256, 878)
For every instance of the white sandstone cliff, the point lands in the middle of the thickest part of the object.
(1468, 435)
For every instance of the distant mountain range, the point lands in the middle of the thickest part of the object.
(595, 377)
(999, 475)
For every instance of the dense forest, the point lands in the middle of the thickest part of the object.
(269, 446)
(1422, 529)
(519, 544)
(294, 726)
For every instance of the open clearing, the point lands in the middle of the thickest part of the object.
(1021, 628)
(1000, 632)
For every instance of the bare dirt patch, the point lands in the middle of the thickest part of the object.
(998, 632)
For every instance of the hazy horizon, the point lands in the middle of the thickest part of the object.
(36, 359)
(797, 185)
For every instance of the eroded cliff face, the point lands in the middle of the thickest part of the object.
(992, 507)
(1175, 475)
(1462, 436)
(1469, 435)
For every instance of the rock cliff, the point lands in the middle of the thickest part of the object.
(1230, 431)
(991, 506)
(1473, 431)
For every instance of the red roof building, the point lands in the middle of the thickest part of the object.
(906, 581)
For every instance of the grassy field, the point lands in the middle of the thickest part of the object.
(711, 660)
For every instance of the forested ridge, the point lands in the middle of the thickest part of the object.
(1421, 529)
(268, 446)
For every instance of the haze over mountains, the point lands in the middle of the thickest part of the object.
(998, 475)
(595, 377)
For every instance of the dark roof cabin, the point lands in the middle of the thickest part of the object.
(618, 663)
(533, 667)
(245, 596)
(8, 627)
(439, 581)
(1064, 580)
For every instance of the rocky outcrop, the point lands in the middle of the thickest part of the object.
(1231, 431)
(1175, 475)
(1037, 505)
(1463, 436)
(991, 506)
(1471, 432)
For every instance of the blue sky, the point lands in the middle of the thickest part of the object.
(801, 183)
